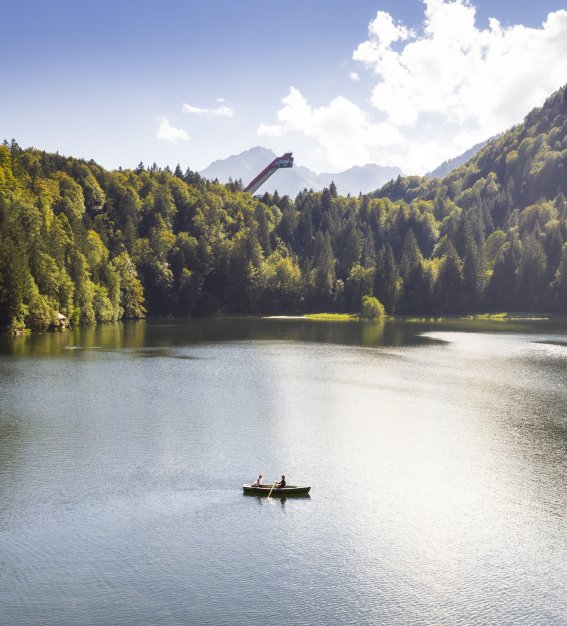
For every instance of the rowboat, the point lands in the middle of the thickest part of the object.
(278, 492)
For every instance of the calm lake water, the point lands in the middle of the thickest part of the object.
(437, 455)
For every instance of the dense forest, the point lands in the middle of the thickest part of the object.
(98, 245)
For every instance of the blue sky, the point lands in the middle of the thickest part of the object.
(338, 83)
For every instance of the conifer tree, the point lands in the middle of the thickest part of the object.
(448, 293)
(411, 254)
(387, 279)
(559, 286)
(530, 275)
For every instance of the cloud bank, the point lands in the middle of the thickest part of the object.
(435, 92)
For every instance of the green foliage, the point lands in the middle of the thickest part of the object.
(131, 290)
(359, 284)
(493, 246)
(559, 285)
(331, 317)
(531, 270)
(323, 275)
(38, 313)
(71, 200)
(372, 308)
(280, 278)
(449, 286)
(387, 282)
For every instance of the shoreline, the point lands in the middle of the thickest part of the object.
(317, 317)
(353, 317)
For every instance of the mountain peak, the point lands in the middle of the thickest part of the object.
(247, 164)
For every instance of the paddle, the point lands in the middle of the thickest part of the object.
(271, 489)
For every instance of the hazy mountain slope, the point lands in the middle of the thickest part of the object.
(360, 179)
(448, 166)
(239, 166)
(248, 164)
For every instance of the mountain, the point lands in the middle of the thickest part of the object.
(448, 166)
(248, 164)
(239, 166)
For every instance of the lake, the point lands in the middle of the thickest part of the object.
(436, 453)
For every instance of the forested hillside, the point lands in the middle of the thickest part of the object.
(97, 245)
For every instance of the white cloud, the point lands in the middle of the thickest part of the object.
(439, 89)
(167, 132)
(271, 130)
(385, 31)
(477, 81)
(343, 132)
(354, 77)
(221, 111)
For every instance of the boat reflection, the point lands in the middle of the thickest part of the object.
(261, 499)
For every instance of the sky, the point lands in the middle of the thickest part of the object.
(337, 82)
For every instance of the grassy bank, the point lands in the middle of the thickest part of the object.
(332, 317)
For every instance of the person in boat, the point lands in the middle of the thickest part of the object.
(258, 482)
(282, 483)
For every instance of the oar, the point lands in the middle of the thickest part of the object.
(272, 489)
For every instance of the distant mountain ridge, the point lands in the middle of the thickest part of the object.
(247, 164)
(451, 164)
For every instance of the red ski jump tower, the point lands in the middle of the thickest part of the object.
(284, 161)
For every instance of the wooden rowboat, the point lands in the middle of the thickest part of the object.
(278, 492)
